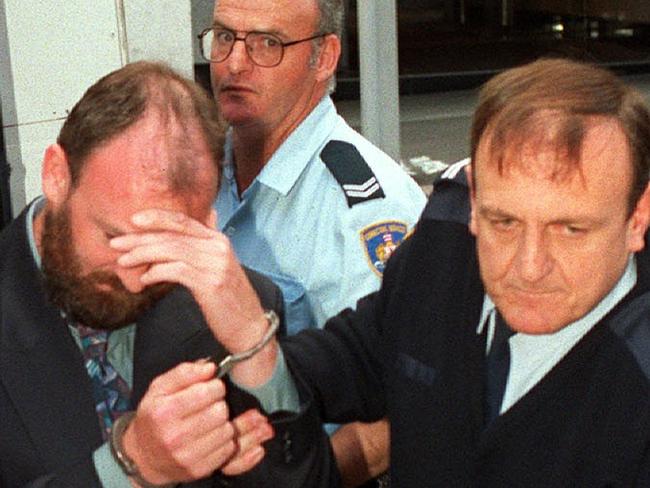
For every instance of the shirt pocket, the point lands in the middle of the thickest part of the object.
(297, 310)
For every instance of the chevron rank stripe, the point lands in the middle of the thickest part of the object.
(453, 170)
(362, 191)
(351, 171)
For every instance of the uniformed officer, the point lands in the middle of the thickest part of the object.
(304, 199)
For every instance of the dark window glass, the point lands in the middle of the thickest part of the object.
(455, 44)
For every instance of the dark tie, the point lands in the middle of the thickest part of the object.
(111, 392)
(498, 365)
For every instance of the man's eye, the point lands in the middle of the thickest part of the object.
(224, 36)
(502, 224)
(269, 42)
(573, 230)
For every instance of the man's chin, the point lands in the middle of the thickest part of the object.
(112, 309)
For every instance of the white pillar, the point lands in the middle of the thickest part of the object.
(51, 51)
(379, 77)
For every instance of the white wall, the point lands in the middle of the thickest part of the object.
(51, 51)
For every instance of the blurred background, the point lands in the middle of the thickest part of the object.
(424, 60)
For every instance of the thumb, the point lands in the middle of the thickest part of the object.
(183, 376)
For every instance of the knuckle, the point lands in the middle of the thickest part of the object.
(196, 471)
(178, 247)
(221, 411)
(157, 383)
(230, 448)
(228, 432)
(161, 414)
(220, 388)
(172, 440)
(183, 267)
(185, 369)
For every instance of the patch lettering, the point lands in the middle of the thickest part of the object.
(380, 240)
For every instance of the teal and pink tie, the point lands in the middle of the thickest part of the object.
(111, 392)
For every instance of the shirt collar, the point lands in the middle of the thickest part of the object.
(35, 207)
(625, 283)
(289, 161)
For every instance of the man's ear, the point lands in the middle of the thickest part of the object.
(55, 175)
(472, 198)
(328, 58)
(639, 222)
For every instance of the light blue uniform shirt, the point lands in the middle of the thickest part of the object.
(293, 223)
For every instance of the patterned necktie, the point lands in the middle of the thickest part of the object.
(498, 366)
(111, 392)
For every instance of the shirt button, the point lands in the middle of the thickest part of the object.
(230, 231)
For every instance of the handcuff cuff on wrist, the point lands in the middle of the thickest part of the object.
(127, 464)
(224, 366)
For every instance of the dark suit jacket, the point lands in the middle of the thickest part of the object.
(48, 425)
(411, 352)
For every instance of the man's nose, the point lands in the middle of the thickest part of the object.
(239, 60)
(534, 260)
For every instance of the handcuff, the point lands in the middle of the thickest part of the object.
(225, 365)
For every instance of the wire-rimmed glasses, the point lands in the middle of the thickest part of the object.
(264, 49)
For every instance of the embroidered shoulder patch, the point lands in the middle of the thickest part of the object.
(379, 240)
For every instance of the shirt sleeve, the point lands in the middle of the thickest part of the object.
(110, 474)
(368, 234)
(280, 392)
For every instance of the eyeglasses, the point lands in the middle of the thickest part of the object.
(263, 49)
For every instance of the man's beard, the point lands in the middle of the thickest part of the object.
(79, 296)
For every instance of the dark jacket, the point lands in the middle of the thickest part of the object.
(48, 424)
(411, 352)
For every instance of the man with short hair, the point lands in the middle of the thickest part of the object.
(103, 378)
(508, 345)
(305, 199)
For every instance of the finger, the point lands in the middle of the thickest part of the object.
(195, 437)
(176, 272)
(152, 248)
(249, 421)
(243, 461)
(213, 438)
(129, 241)
(200, 457)
(158, 219)
(252, 429)
(199, 406)
(211, 450)
(183, 376)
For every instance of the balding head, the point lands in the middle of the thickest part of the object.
(187, 119)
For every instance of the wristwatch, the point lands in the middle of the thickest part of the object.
(123, 460)
(226, 364)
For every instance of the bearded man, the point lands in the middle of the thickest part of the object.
(103, 377)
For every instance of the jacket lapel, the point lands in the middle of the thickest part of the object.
(40, 364)
(171, 332)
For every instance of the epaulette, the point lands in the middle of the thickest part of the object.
(352, 172)
(632, 325)
(449, 201)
